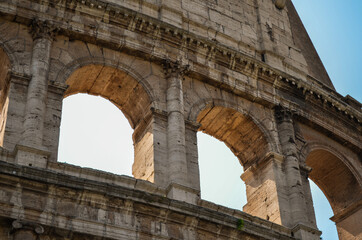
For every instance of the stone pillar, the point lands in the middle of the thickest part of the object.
(43, 35)
(297, 217)
(179, 187)
(31, 146)
(150, 148)
(26, 231)
(52, 119)
(291, 166)
(265, 189)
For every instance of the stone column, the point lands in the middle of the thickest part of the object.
(31, 145)
(26, 231)
(150, 148)
(297, 217)
(291, 166)
(43, 34)
(176, 145)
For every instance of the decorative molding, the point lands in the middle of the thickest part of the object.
(235, 60)
(305, 228)
(280, 4)
(24, 225)
(231, 58)
(43, 29)
(283, 114)
(174, 68)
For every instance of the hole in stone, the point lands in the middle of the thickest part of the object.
(30, 164)
(263, 57)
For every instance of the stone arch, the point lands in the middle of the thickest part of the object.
(12, 61)
(128, 91)
(334, 175)
(240, 129)
(15, 44)
(5, 71)
(64, 73)
(340, 182)
(8, 64)
(67, 76)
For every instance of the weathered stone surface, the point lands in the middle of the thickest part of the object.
(253, 81)
(81, 208)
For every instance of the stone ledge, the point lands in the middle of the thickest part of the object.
(346, 212)
(223, 216)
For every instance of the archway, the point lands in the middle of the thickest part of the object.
(119, 87)
(94, 133)
(128, 95)
(237, 131)
(332, 174)
(4, 90)
(220, 173)
(245, 138)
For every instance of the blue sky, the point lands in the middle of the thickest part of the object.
(335, 28)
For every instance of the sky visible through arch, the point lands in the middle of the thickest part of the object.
(94, 133)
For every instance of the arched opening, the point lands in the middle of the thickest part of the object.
(117, 86)
(249, 145)
(130, 97)
(220, 173)
(94, 133)
(323, 212)
(342, 189)
(4, 90)
(240, 134)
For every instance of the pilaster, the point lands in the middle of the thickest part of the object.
(298, 190)
(43, 34)
(193, 172)
(179, 184)
(265, 189)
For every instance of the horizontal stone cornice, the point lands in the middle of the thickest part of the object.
(215, 53)
(347, 212)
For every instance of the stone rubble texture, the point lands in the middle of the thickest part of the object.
(242, 71)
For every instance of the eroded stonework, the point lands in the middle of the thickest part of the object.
(242, 71)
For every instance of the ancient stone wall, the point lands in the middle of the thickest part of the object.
(236, 70)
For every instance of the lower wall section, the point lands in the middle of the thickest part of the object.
(48, 204)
